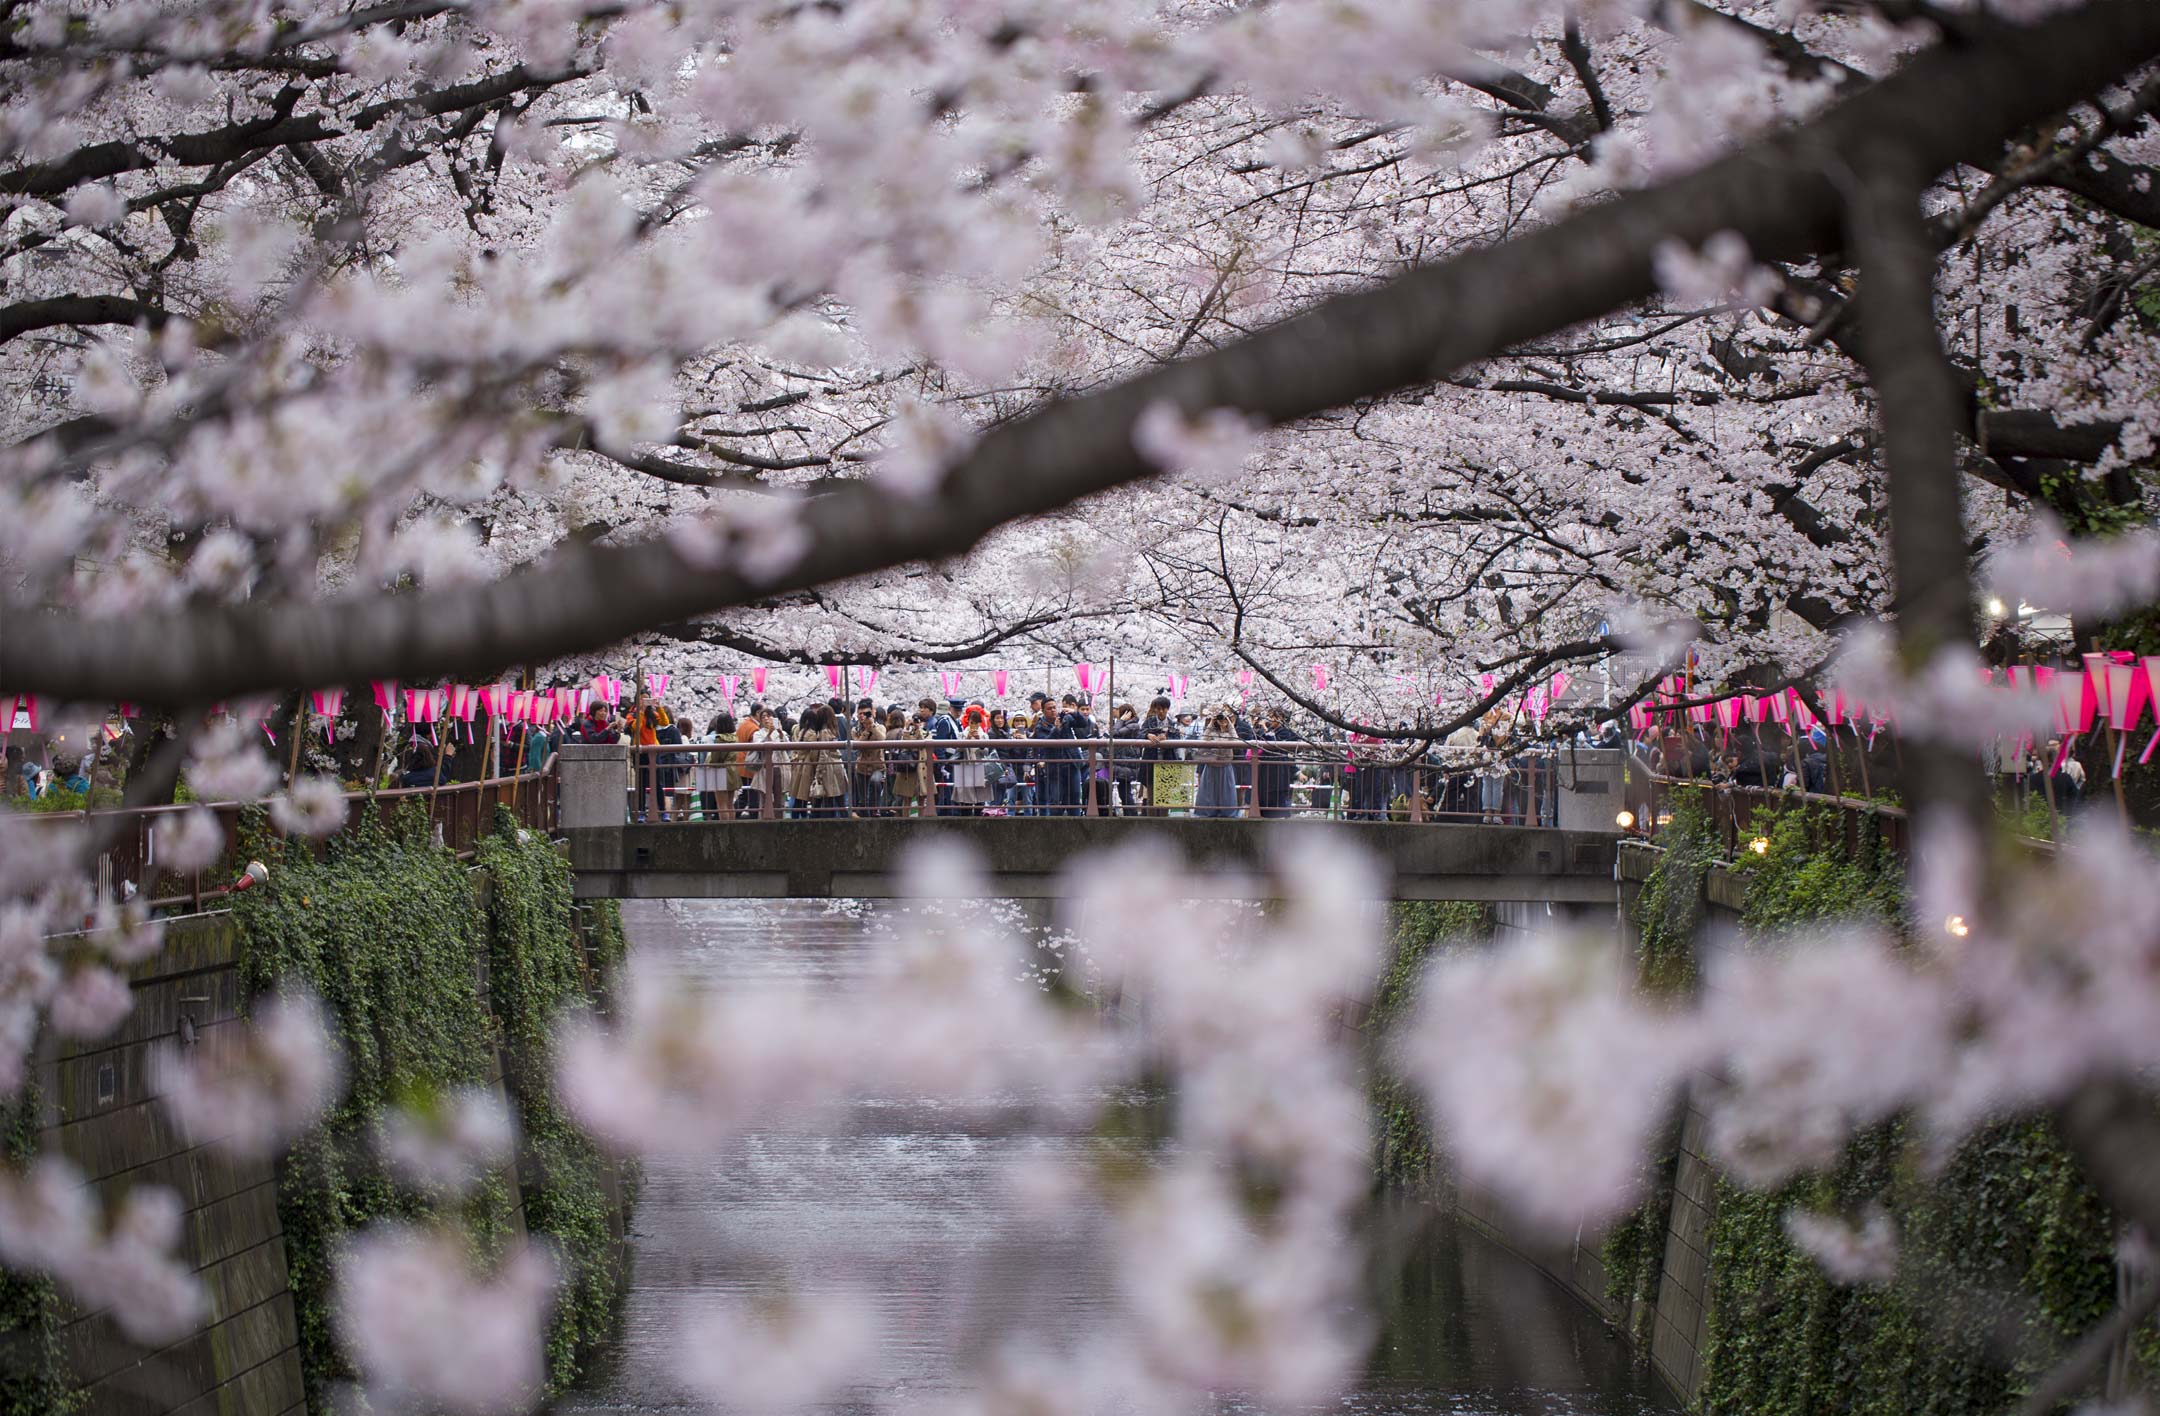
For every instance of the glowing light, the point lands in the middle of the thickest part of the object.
(1957, 926)
(1625, 820)
(1760, 845)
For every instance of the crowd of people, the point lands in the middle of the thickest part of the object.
(959, 758)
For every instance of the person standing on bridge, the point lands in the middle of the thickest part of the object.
(867, 776)
(971, 767)
(1049, 769)
(819, 780)
(939, 726)
(911, 772)
(1074, 725)
(714, 777)
(1271, 780)
(1158, 730)
(763, 770)
(1217, 756)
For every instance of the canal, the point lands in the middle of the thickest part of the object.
(913, 1207)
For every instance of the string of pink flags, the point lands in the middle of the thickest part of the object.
(2112, 690)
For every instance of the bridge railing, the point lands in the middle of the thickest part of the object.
(786, 780)
(127, 867)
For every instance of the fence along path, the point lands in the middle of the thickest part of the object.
(128, 870)
(1320, 778)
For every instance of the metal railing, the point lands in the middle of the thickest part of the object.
(780, 780)
(127, 869)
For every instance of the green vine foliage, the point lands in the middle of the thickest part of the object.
(1422, 929)
(389, 930)
(1799, 882)
(34, 1377)
(1667, 913)
(2005, 1251)
(539, 968)
(2004, 1257)
(1670, 908)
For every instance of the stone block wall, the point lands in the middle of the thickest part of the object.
(100, 1112)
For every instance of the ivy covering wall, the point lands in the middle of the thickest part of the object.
(397, 936)
(540, 967)
(1403, 1147)
(2006, 1253)
(34, 1378)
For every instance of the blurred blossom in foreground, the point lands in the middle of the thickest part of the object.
(684, 1071)
(427, 1331)
(49, 1224)
(1240, 1260)
(1954, 699)
(2098, 578)
(251, 1089)
(312, 806)
(779, 1353)
(449, 1142)
(1828, 1033)
(1547, 1071)
(1849, 1253)
(228, 764)
(948, 1012)
(189, 840)
(1226, 1293)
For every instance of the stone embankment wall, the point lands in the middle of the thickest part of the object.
(1672, 1321)
(97, 1107)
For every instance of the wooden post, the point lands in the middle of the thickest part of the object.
(436, 786)
(299, 731)
(926, 771)
(1110, 732)
(2047, 782)
(2121, 806)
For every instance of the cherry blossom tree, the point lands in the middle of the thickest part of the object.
(433, 336)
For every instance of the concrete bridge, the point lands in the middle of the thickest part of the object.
(1026, 857)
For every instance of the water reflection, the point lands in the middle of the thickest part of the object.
(913, 1206)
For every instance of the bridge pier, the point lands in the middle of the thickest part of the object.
(1026, 858)
(593, 777)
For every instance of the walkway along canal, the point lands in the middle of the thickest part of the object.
(907, 1202)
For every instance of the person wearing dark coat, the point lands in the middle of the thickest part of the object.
(1275, 768)
(1073, 725)
(1049, 771)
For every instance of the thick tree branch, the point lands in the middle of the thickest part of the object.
(67, 310)
(1921, 407)
(1952, 104)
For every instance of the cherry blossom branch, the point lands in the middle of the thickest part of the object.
(1951, 104)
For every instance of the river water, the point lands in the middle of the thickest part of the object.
(908, 1204)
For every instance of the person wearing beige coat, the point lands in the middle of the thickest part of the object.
(819, 779)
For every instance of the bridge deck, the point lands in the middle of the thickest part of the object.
(1026, 857)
